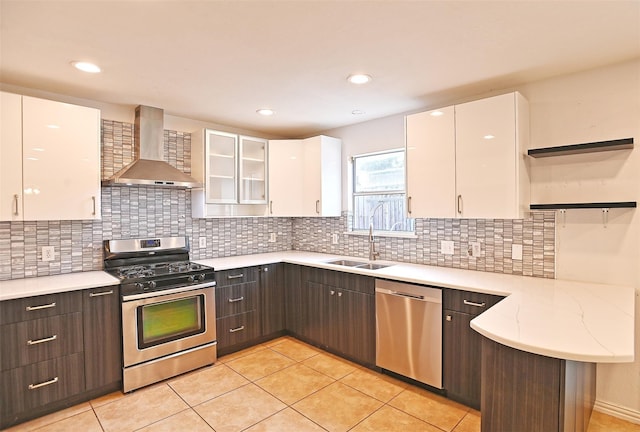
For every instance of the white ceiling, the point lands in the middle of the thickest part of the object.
(219, 61)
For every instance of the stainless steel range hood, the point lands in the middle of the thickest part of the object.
(149, 167)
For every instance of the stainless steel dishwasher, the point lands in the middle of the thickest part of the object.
(409, 331)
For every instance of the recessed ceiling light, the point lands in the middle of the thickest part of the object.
(436, 113)
(488, 137)
(86, 67)
(265, 111)
(359, 78)
(357, 112)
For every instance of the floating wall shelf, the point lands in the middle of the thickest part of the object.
(592, 147)
(595, 205)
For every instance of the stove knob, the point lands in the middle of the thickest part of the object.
(191, 278)
(201, 276)
(152, 284)
(139, 285)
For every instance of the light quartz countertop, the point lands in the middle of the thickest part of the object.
(563, 319)
(29, 287)
(556, 318)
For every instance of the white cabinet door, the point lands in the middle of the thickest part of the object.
(487, 158)
(252, 174)
(330, 176)
(10, 157)
(431, 163)
(286, 171)
(221, 167)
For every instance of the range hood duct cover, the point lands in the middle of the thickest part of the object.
(149, 167)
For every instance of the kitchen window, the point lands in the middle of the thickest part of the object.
(379, 193)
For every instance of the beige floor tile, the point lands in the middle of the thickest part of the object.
(140, 408)
(85, 422)
(50, 418)
(240, 354)
(207, 384)
(239, 409)
(294, 383)
(469, 423)
(279, 340)
(186, 420)
(429, 407)
(260, 364)
(337, 407)
(285, 421)
(601, 422)
(295, 350)
(330, 365)
(381, 387)
(390, 419)
(108, 398)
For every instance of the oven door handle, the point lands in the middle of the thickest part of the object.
(168, 291)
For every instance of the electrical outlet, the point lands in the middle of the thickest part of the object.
(474, 249)
(334, 239)
(48, 253)
(272, 238)
(202, 242)
(516, 252)
(446, 247)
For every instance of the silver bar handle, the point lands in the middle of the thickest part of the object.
(409, 205)
(470, 303)
(318, 206)
(459, 204)
(42, 384)
(403, 294)
(238, 276)
(39, 341)
(236, 299)
(93, 198)
(35, 308)
(104, 293)
(270, 207)
(15, 201)
(237, 329)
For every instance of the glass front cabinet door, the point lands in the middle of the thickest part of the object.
(253, 170)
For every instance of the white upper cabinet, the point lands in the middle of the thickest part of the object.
(305, 177)
(10, 157)
(469, 162)
(253, 170)
(59, 170)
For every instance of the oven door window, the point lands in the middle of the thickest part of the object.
(168, 321)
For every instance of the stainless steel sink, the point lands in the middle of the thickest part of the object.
(358, 264)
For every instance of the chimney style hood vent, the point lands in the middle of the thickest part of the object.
(149, 167)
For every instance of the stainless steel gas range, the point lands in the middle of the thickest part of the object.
(168, 308)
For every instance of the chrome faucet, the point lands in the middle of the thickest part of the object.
(373, 254)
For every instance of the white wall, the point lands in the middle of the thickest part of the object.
(600, 104)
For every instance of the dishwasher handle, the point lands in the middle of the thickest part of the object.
(411, 296)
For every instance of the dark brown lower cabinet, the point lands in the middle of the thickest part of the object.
(272, 300)
(527, 392)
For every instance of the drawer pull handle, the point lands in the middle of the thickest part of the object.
(39, 341)
(470, 303)
(104, 293)
(238, 276)
(237, 329)
(236, 299)
(42, 384)
(46, 306)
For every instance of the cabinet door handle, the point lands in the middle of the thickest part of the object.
(35, 308)
(270, 207)
(459, 204)
(94, 205)
(409, 205)
(318, 206)
(470, 303)
(332, 292)
(238, 276)
(236, 299)
(237, 329)
(39, 341)
(42, 384)
(448, 318)
(15, 202)
(339, 294)
(104, 293)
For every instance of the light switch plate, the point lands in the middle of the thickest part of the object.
(272, 238)
(446, 247)
(202, 242)
(516, 252)
(334, 239)
(48, 253)
(474, 249)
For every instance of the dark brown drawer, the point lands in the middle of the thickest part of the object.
(235, 299)
(34, 341)
(236, 329)
(39, 384)
(30, 308)
(237, 276)
(468, 302)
